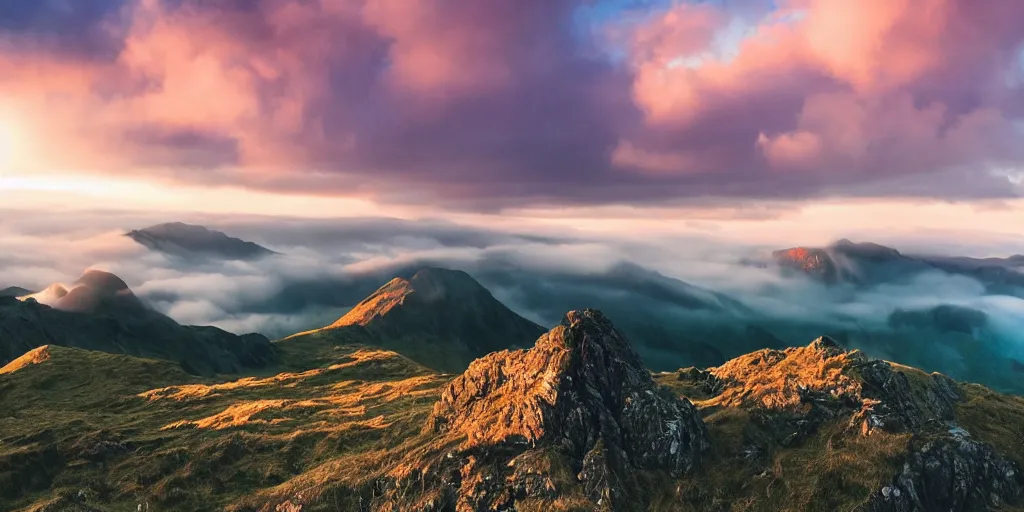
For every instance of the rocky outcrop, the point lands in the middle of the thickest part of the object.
(891, 401)
(954, 473)
(814, 262)
(796, 391)
(582, 398)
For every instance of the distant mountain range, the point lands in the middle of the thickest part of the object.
(871, 264)
(99, 312)
(197, 242)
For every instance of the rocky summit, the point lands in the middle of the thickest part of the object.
(797, 396)
(580, 399)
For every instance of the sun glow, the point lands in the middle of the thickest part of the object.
(14, 140)
(8, 145)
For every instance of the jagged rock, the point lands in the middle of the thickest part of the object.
(583, 395)
(893, 403)
(950, 474)
(790, 379)
(824, 380)
(705, 380)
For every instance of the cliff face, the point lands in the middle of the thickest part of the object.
(580, 396)
(797, 397)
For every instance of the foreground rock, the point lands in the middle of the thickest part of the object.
(800, 391)
(952, 473)
(580, 399)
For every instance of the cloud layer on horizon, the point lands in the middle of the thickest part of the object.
(682, 300)
(494, 104)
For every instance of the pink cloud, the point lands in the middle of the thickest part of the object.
(862, 88)
(507, 102)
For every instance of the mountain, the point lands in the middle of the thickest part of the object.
(580, 398)
(99, 312)
(192, 242)
(573, 423)
(868, 264)
(14, 291)
(672, 323)
(93, 292)
(441, 318)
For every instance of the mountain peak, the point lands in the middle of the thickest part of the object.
(429, 285)
(102, 281)
(14, 291)
(865, 249)
(580, 392)
(192, 241)
(441, 318)
(95, 289)
(98, 311)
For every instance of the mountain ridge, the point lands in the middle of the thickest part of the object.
(573, 423)
(867, 263)
(99, 311)
(194, 241)
(14, 291)
(438, 317)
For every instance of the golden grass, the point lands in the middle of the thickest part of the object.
(133, 430)
(771, 378)
(383, 300)
(35, 356)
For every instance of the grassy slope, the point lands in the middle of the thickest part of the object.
(126, 430)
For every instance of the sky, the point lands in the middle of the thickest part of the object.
(785, 121)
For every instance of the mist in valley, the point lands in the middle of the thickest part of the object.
(683, 300)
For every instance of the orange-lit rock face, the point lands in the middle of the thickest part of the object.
(814, 262)
(774, 379)
(581, 394)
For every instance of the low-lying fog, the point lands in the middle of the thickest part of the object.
(683, 300)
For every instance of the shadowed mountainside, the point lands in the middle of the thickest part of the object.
(441, 318)
(190, 241)
(573, 424)
(100, 312)
(14, 291)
